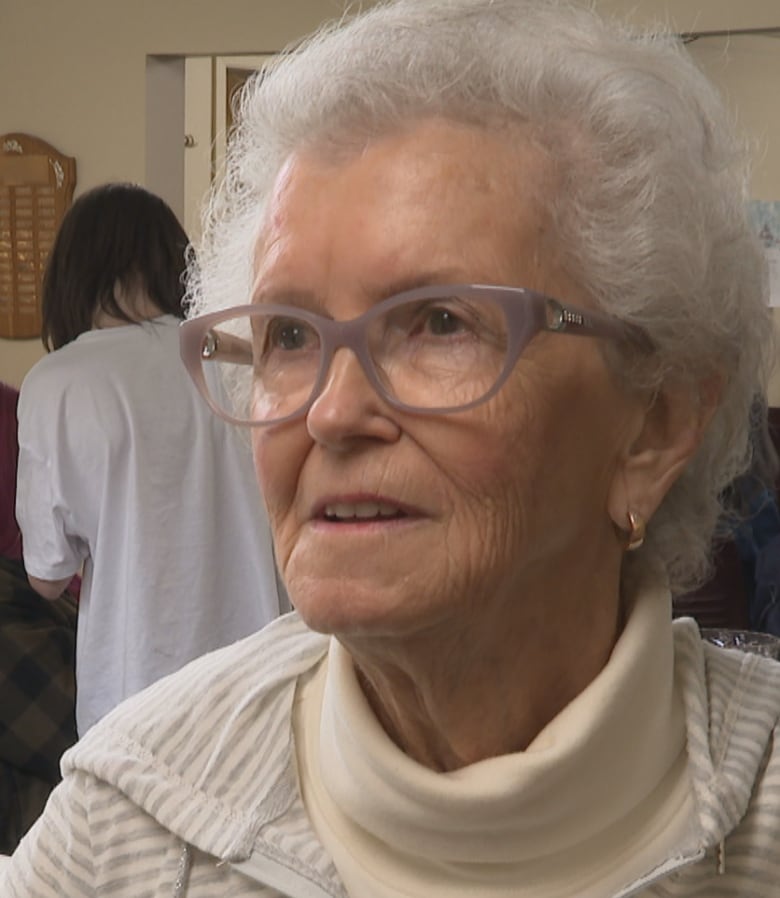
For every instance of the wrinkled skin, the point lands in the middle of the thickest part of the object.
(508, 551)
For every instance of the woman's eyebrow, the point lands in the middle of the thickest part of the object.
(420, 279)
(376, 292)
(303, 299)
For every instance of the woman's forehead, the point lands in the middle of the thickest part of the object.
(430, 197)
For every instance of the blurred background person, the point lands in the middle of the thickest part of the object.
(37, 659)
(122, 470)
(753, 522)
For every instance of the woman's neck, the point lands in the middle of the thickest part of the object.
(491, 688)
(137, 305)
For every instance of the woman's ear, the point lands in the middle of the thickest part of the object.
(669, 434)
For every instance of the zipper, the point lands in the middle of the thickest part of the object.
(289, 882)
(659, 872)
(182, 872)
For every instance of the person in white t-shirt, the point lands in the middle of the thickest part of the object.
(122, 469)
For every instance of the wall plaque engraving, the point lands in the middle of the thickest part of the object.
(36, 189)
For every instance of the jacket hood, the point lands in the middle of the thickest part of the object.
(732, 702)
(158, 750)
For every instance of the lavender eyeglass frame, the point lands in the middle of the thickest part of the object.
(527, 313)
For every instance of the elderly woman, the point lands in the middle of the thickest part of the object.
(485, 274)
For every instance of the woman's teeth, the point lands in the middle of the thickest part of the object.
(344, 511)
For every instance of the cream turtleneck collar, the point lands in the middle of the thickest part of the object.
(597, 799)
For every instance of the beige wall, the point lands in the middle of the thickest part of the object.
(78, 75)
(695, 15)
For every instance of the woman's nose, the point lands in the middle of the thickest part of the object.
(349, 408)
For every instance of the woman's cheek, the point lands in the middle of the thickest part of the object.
(276, 468)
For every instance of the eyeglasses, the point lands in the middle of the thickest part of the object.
(431, 350)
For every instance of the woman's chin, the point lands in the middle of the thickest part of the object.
(346, 609)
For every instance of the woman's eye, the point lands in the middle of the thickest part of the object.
(443, 321)
(288, 335)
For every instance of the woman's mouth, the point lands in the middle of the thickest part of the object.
(361, 511)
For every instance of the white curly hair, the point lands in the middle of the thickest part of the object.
(652, 218)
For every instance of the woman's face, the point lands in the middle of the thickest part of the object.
(386, 522)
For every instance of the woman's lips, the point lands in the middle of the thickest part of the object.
(361, 508)
(361, 511)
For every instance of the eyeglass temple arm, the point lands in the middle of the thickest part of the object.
(219, 346)
(565, 319)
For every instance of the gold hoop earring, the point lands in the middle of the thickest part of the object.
(636, 532)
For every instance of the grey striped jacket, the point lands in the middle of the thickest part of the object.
(189, 790)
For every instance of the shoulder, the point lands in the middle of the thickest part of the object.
(58, 373)
(730, 694)
(107, 346)
(732, 706)
(39, 378)
(726, 674)
(249, 672)
(212, 741)
(99, 376)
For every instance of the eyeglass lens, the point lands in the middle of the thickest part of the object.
(436, 352)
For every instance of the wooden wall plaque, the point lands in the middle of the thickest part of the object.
(36, 189)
